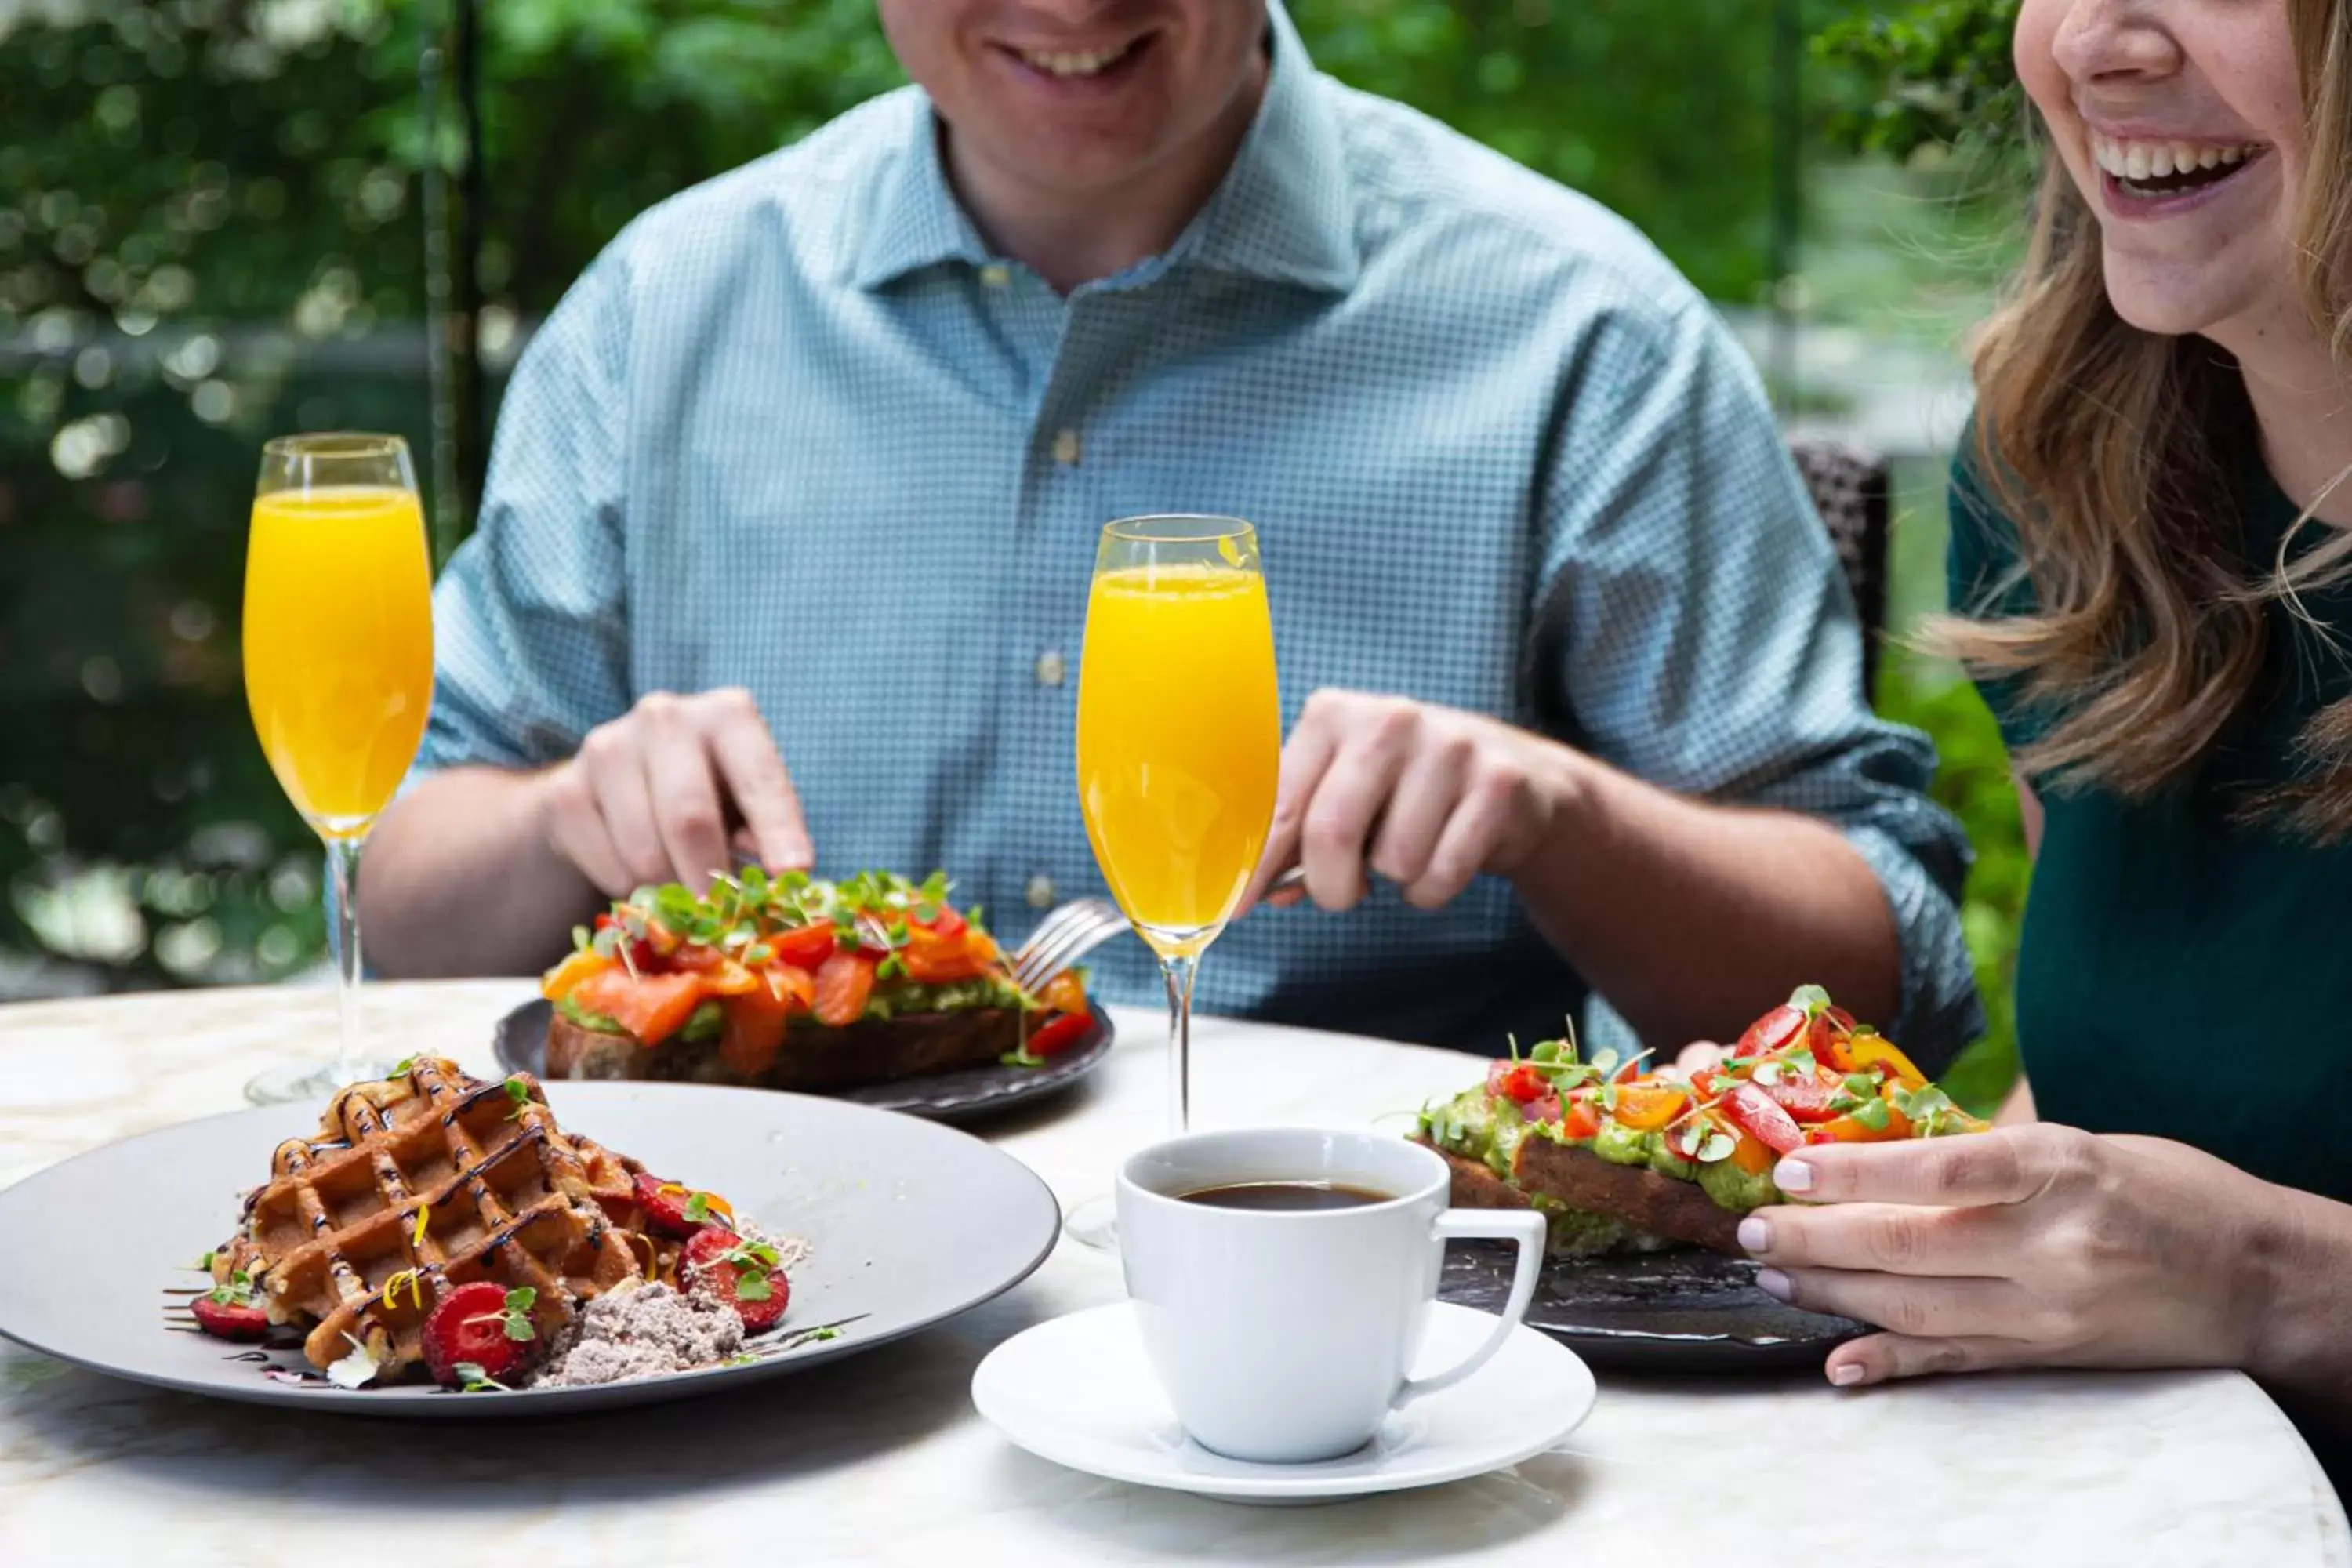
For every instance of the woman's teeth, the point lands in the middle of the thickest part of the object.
(2164, 168)
(1074, 62)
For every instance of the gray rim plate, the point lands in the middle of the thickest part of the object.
(1682, 1312)
(969, 1094)
(911, 1223)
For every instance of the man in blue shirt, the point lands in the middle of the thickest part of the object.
(790, 522)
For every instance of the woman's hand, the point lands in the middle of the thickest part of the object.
(2029, 1246)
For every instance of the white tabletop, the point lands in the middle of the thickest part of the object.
(880, 1459)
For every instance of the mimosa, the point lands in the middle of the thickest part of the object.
(1179, 749)
(339, 646)
(338, 672)
(1180, 741)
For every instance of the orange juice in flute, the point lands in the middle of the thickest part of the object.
(1180, 745)
(338, 664)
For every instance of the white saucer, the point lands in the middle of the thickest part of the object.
(1081, 1391)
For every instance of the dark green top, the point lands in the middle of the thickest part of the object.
(2182, 975)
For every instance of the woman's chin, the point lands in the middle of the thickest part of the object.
(2175, 300)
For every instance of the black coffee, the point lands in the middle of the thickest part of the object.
(1286, 1195)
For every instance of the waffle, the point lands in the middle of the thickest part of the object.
(438, 1179)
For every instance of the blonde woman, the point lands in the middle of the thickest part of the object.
(2153, 560)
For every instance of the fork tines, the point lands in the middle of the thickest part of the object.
(1062, 937)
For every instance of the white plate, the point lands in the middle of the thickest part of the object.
(909, 1223)
(1081, 1391)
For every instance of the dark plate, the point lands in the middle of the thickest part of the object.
(967, 1095)
(1683, 1311)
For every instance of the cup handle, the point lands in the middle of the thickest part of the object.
(1526, 1226)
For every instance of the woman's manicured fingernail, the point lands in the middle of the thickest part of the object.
(1845, 1375)
(1755, 1235)
(1773, 1283)
(1793, 1176)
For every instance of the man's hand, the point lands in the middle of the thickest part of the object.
(648, 798)
(1427, 796)
(2036, 1245)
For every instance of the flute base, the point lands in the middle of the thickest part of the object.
(318, 1081)
(1094, 1223)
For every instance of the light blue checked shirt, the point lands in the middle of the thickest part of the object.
(798, 429)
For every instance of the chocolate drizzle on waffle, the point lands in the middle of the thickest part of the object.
(434, 1179)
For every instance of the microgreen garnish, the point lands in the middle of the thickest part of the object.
(1020, 1058)
(237, 1292)
(753, 1261)
(519, 1092)
(400, 1068)
(1809, 999)
(1873, 1115)
(1862, 1085)
(698, 1208)
(516, 1317)
(891, 968)
(1800, 1062)
(206, 1262)
(472, 1379)
(1930, 1107)
(1768, 1073)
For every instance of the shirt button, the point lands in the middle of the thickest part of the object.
(1066, 448)
(1050, 668)
(996, 275)
(1040, 891)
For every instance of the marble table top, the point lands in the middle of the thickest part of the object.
(880, 1459)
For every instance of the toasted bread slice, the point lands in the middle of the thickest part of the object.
(1643, 1198)
(814, 1058)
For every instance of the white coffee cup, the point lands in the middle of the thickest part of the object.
(1286, 1336)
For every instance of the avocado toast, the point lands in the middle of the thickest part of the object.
(1620, 1158)
(789, 981)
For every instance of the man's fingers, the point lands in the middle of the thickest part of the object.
(1306, 757)
(2007, 1166)
(1890, 1239)
(1480, 819)
(686, 805)
(576, 827)
(1916, 1308)
(1880, 1358)
(759, 782)
(1416, 814)
(1357, 785)
(616, 772)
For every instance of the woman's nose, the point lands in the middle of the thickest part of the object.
(2116, 40)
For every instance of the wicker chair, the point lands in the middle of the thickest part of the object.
(1853, 489)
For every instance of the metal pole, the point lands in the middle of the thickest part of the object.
(472, 445)
(1787, 193)
(442, 426)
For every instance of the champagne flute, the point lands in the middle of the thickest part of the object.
(338, 671)
(1179, 749)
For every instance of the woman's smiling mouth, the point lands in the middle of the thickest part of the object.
(2145, 174)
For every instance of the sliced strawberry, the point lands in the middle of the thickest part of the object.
(230, 1319)
(673, 1210)
(482, 1325)
(739, 1272)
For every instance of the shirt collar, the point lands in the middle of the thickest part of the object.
(1285, 212)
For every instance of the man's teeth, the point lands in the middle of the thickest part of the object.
(2156, 160)
(1073, 62)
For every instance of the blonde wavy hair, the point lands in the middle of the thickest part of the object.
(2117, 452)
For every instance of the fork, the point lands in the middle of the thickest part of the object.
(1065, 936)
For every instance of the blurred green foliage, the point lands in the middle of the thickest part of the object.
(211, 230)
(1939, 76)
